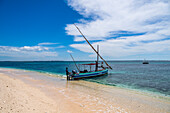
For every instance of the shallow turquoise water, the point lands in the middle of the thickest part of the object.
(154, 77)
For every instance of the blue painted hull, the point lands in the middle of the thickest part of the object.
(90, 74)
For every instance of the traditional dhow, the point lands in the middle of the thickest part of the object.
(145, 62)
(89, 74)
(99, 70)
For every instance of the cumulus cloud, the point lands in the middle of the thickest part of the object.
(28, 53)
(122, 27)
(24, 48)
(33, 48)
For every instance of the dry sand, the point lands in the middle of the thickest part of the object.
(16, 96)
(21, 91)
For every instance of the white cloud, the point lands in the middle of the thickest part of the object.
(24, 48)
(28, 53)
(33, 48)
(150, 19)
(47, 43)
(69, 51)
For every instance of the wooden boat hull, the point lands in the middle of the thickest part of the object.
(90, 74)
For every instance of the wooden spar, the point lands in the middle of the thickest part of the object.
(74, 62)
(93, 47)
(97, 63)
(98, 53)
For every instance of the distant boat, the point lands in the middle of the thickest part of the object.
(145, 62)
(99, 70)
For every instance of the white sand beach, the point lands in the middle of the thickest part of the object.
(33, 92)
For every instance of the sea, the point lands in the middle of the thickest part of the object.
(153, 77)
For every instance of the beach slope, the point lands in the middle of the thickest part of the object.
(16, 96)
(33, 92)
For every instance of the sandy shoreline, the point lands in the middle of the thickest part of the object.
(17, 96)
(23, 91)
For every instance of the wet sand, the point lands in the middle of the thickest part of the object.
(26, 91)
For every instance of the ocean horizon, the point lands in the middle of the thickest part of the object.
(72, 61)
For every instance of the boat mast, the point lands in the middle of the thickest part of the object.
(93, 47)
(97, 62)
(74, 62)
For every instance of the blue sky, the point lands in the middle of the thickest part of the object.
(124, 29)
